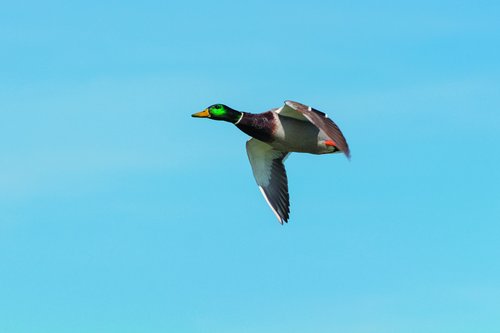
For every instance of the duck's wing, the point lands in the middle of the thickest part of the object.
(270, 174)
(319, 119)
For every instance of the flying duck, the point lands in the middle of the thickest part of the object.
(294, 127)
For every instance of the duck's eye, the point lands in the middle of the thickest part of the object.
(218, 110)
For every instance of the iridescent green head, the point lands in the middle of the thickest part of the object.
(219, 112)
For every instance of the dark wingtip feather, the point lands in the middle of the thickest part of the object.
(347, 154)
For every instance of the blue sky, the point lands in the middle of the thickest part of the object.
(121, 213)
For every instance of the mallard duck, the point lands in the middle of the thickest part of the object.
(294, 127)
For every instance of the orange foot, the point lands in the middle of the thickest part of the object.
(330, 143)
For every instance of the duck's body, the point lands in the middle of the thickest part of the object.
(294, 127)
(285, 133)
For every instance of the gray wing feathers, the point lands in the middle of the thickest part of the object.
(276, 192)
(320, 120)
(270, 174)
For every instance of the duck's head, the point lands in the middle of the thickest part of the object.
(219, 112)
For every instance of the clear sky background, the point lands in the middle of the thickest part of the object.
(121, 213)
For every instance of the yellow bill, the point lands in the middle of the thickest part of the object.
(201, 114)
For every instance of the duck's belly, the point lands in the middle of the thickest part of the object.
(300, 136)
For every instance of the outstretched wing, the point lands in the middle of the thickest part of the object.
(319, 119)
(270, 174)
